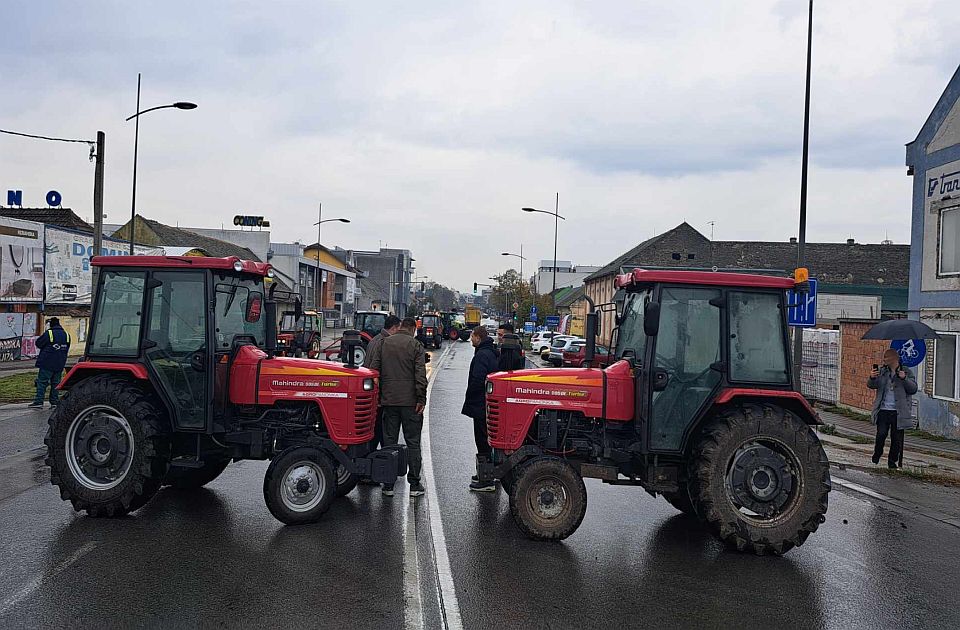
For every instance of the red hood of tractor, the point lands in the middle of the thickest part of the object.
(517, 397)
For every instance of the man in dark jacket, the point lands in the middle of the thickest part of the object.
(892, 406)
(511, 350)
(475, 404)
(390, 326)
(54, 344)
(402, 364)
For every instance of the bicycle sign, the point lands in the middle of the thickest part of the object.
(912, 351)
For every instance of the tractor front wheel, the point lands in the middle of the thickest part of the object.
(547, 498)
(107, 446)
(315, 349)
(759, 479)
(299, 485)
(346, 480)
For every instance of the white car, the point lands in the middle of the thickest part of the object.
(556, 342)
(541, 340)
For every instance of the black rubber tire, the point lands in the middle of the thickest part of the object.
(508, 481)
(526, 476)
(273, 480)
(151, 446)
(183, 478)
(315, 349)
(347, 483)
(680, 500)
(713, 454)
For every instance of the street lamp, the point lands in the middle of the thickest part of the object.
(556, 216)
(318, 279)
(136, 139)
(520, 256)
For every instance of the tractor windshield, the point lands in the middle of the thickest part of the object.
(631, 336)
(371, 323)
(430, 321)
(239, 306)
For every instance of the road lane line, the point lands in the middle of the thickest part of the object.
(873, 494)
(412, 602)
(449, 606)
(35, 583)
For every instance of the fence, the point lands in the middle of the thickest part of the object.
(820, 369)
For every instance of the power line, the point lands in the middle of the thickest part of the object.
(30, 135)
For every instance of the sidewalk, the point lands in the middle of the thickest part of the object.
(864, 429)
(9, 368)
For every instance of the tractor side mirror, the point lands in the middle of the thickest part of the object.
(254, 308)
(271, 326)
(651, 319)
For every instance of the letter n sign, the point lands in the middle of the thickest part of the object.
(15, 198)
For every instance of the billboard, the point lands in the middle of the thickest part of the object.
(69, 279)
(21, 261)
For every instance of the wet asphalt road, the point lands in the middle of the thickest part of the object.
(216, 558)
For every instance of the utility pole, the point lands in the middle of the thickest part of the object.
(97, 213)
(556, 228)
(802, 240)
(318, 280)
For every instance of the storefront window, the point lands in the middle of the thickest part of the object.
(950, 241)
(945, 367)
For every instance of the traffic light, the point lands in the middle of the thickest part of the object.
(474, 287)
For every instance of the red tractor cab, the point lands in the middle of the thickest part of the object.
(430, 330)
(700, 405)
(180, 377)
(369, 324)
(300, 334)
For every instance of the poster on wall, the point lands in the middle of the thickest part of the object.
(11, 332)
(68, 276)
(10, 349)
(21, 261)
(28, 346)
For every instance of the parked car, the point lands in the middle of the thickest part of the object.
(541, 340)
(575, 354)
(558, 341)
(555, 356)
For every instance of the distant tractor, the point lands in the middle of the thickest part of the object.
(300, 334)
(448, 321)
(369, 324)
(430, 330)
(699, 405)
(180, 377)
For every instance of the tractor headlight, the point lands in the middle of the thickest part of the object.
(368, 384)
(489, 387)
(237, 265)
(270, 273)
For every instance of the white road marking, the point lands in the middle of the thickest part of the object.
(35, 583)
(412, 602)
(449, 607)
(873, 494)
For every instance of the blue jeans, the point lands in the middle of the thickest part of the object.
(45, 379)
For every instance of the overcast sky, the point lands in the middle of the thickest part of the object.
(429, 124)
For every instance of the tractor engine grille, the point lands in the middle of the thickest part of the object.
(364, 413)
(493, 419)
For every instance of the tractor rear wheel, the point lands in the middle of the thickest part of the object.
(183, 478)
(315, 349)
(299, 485)
(680, 500)
(108, 447)
(759, 479)
(346, 480)
(547, 498)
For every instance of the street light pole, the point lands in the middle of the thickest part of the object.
(556, 223)
(136, 142)
(318, 279)
(97, 212)
(802, 240)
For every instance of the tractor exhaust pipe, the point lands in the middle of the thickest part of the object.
(590, 351)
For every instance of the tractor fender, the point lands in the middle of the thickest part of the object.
(85, 369)
(788, 399)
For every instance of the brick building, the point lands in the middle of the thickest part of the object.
(858, 356)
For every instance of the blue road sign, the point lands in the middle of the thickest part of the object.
(528, 327)
(533, 316)
(911, 351)
(804, 314)
(552, 320)
(533, 312)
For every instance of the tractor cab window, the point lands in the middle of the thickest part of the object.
(239, 311)
(372, 323)
(116, 331)
(631, 336)
(430, 321)
(757, 353)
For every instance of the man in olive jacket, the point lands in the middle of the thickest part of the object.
(402, 364)
(390, 327)
(892, 413)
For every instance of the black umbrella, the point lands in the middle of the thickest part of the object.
(900, 329)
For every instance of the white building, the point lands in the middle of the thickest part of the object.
(568, 275)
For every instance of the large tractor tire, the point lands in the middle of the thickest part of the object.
(681, 500)
(759, 479)
(346, 480)
(108, 446)
(299, 485)
(183, 478)
(547, 498)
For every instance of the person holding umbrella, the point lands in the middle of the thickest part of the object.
(895, 385)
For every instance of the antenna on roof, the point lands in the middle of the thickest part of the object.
(711, 224)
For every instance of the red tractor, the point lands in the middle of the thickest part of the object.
(180, 377)
(369, 324)
(700, 405)
(300, 334)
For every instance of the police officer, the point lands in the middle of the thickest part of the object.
(54, 345)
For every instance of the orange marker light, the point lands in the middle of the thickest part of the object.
(801, 275)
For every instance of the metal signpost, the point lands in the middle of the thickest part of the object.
(803, 310)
